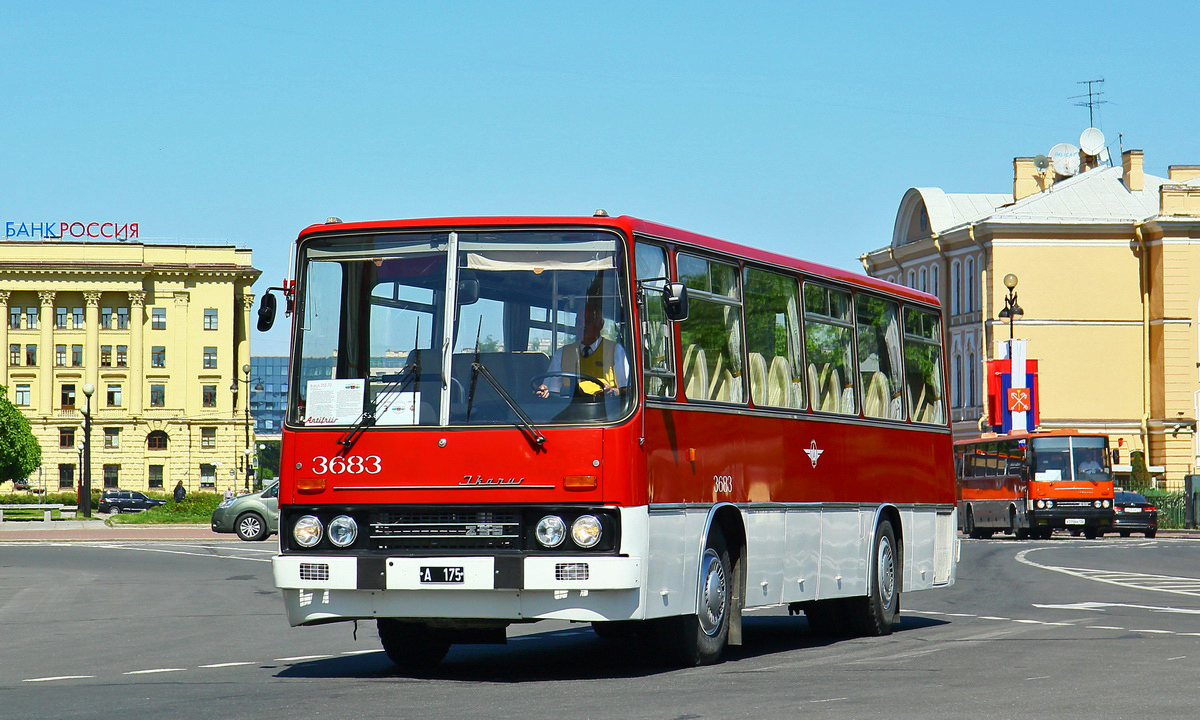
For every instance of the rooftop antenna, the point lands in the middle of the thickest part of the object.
(1093, 99)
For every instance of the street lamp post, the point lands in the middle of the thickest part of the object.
(234, 389)
(1011, 310)
(85, 497)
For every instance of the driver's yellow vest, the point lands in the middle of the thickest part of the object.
(599, 364)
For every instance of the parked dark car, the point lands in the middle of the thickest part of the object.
(119, 501)
(1134, 513)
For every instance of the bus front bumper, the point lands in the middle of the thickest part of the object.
(1071, 518)
(319, 589)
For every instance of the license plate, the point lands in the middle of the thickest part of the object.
(442, 574)
(1074, 521)
(1133, 509)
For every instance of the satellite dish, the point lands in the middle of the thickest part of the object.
(1104, 156)
(1091, 141)
(1065, 158)
(1041, 162)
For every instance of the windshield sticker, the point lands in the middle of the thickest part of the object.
(396, 408)
(334, 402)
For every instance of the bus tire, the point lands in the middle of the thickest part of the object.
(700, 639)
(880, 609)
(414, 647)
(972, 531)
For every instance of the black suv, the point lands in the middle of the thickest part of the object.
(117, 501)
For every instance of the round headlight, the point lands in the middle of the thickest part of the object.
(343, 531)
(307, 531)
(1041, 503)
(551, 531)
(586, 530)
(1105, 504)
(1049, 503)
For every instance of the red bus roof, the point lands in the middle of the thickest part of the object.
(635, 225)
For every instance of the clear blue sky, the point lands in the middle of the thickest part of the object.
(795, 127)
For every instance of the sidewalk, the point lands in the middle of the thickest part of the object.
(66, 530)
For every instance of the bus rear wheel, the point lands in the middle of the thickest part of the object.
(414, 647)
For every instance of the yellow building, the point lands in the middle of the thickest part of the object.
(1108, 268)
(159, 331)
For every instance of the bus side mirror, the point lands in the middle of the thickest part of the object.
(266, 312)
(675, 301)
(468, 291)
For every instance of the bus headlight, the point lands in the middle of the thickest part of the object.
(1049, 503)
(586, 531)
(343, 531)
(307, 531)
(1041, 504)
(551, 531)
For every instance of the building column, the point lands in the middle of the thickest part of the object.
(137, 322)
(91, 347)
(46, 341)
(4, 294)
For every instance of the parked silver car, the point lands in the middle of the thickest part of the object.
(252, 517)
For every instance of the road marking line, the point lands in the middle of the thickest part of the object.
(155, 670)
(365, 652)
(59, 677)
(1137, 581)
(1156, 632)
(299, 658)
(992, 617)
(227, 664)
(1104, 627)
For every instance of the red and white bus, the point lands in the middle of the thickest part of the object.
(1032, 484)
(743, 430)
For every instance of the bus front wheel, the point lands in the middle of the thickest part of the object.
(880, 609)
(414, 647)
(700, 639)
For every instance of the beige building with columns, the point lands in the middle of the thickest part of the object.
(1108, 267)
(160, 332)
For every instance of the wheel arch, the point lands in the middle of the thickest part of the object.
(892, 514)
(727, 519)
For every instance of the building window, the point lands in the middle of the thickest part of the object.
(208, 475)
(67, 396)
(970, 280)
(14, 354)
(77, 318)
(158, 395)
(14, 318)
(956, 380)
(31, 318)
(971, 396)
(60, 318)
(122, 355)
(66, 438)
(210, 395)
(112, 437)
(934, 284)
(106, 356)
(60, 355)
(158, 318)
(924, 280)
(77, 355)
(156, 477)
(66, 476)
(955, 289)
(156, 440)
(158, 356)
(23, 393)
(106, 315)
(210, 357)
(208, 437)
(210, 318)
(122, 318)
(112, 475)
(114, 395)
(31, 355)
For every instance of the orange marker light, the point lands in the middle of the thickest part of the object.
(691, 454)
(310, 484)
(580, 482)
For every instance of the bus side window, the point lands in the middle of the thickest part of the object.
(829, 349)
(658, 339)
(880, 358)
(712, 332)
(923, 366)
(773, 338)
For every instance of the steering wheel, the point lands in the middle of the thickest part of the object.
(535, 382)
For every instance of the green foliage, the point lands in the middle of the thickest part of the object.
(20, 453)
(268, 461)
(197, 507)
(1139, 477)
(1170, 507)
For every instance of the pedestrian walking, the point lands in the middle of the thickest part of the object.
(180, 492)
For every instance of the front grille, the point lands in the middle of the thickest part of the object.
(570, 571)
(1073, 503)
(314, 571)
(446, 530)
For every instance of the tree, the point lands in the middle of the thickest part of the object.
(20, 453)
(1139, 477)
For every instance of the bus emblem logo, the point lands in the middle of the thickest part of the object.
(814, 454)
(479, 480)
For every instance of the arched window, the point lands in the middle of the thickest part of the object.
(891, 278)
(912, 279)
(934, 284)
(970, 280)
(971, 380)
(956, 381)
(924, 280)
(955, 289)
(156, 440)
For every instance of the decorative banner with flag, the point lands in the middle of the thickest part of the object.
(1007, 403)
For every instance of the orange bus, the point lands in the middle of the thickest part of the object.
(1030, 485)
(604, 420)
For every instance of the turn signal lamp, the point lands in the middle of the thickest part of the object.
(580, 482)
(310, 484)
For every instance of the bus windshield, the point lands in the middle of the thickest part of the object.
(514, 327)
(1071, 458)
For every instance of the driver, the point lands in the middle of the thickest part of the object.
(1090, 464)
(592, 355)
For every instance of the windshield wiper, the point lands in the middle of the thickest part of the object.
(479, 370)
(371, 412)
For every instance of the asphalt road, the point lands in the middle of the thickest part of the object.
(194, 629)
